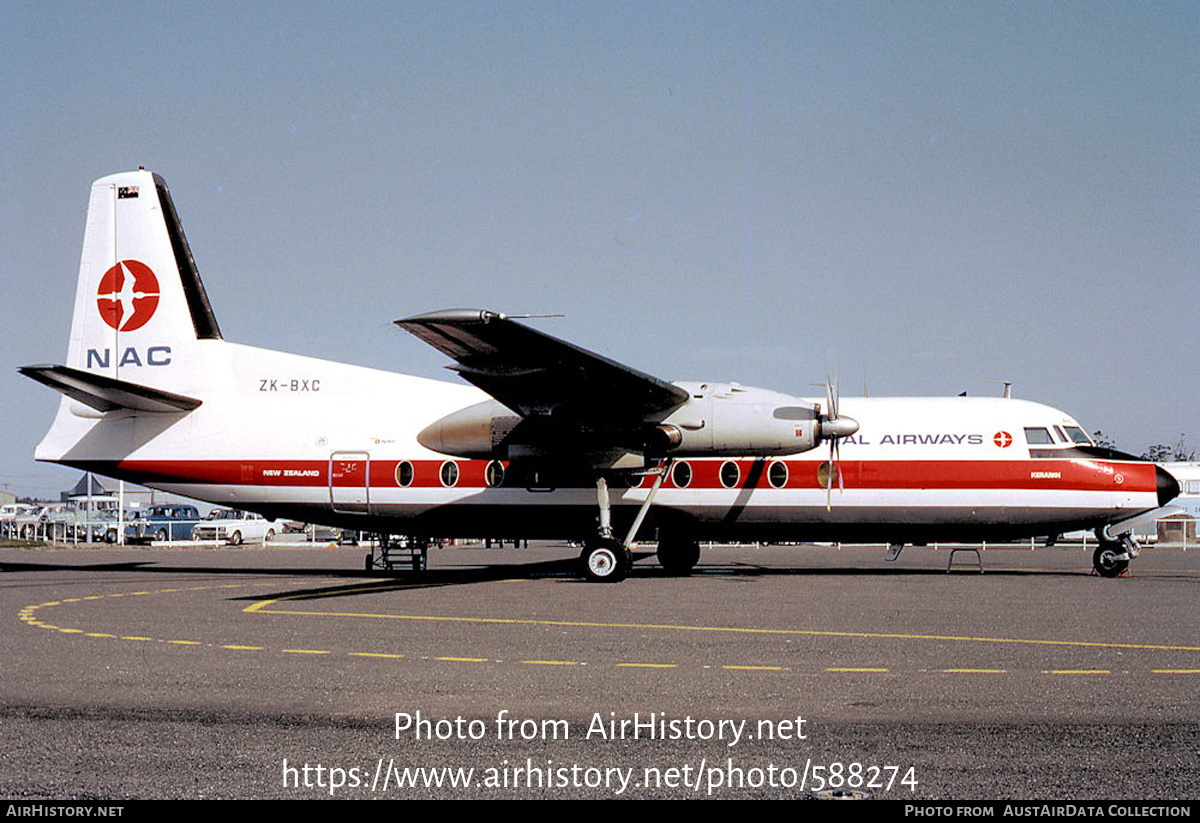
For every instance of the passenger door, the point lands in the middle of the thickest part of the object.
(349, 482)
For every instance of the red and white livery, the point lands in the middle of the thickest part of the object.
(549, 440)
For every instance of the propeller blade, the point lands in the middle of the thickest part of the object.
(837, 391)
(829, 480)
(834, 428)
(837, 447)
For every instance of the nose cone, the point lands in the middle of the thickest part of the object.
(840, 426)
(1168, 486)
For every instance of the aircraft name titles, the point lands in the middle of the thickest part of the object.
(934, 439)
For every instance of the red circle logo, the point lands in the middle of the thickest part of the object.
(1002, 439)
(128, 295)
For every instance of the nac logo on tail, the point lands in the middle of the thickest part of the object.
(128, 295)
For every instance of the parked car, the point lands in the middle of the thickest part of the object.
(104, 526)
(29, 522)
(233, 526)
(170, 522)
(9, 513)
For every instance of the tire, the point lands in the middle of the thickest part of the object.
(161, 535)
(678, 557)
(269, 536)
(110, 536)
(1106, 562)
(604, 561)
(367, 564)
(235, 539)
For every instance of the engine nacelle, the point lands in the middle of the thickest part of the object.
(734, 420)
(475, 432)
(717, 420)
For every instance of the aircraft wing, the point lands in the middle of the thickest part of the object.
(535, 374)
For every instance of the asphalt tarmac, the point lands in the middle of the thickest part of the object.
(772, 672)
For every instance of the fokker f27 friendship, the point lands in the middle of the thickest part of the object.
(549, 440)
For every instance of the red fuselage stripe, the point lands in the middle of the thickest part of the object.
(1073, 475)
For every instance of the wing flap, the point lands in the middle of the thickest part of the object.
(107, 394)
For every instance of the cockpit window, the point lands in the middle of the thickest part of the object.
(1078, 435)
(1037, 437)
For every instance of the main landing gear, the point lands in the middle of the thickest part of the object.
(1112, 557)
(605, 559)
(678, 555)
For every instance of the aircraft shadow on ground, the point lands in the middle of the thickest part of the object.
(378, 581)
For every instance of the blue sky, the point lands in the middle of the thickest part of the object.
(930, 196)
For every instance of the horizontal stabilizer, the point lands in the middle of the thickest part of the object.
(107, 394)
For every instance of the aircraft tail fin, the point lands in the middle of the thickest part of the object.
(144, 339)
(140, 307)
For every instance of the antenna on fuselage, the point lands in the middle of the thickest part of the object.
(1008, 384)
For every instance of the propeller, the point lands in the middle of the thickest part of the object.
(834, 427)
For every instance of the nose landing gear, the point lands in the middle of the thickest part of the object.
(1112, 557)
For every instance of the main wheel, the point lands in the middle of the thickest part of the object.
(1107, 559)
(678, 556)
(604, 561)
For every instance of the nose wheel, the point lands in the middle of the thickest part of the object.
(1111, 557)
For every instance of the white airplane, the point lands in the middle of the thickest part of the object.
(550, 441)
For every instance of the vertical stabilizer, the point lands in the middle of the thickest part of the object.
(141, 312)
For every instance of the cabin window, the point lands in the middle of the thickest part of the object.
(1037, 437)
(494, 474)
(449, 473)
(404, 473)
(777, 474)
(681, 475)
(730, 474)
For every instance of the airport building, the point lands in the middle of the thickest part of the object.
(1181, 528)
